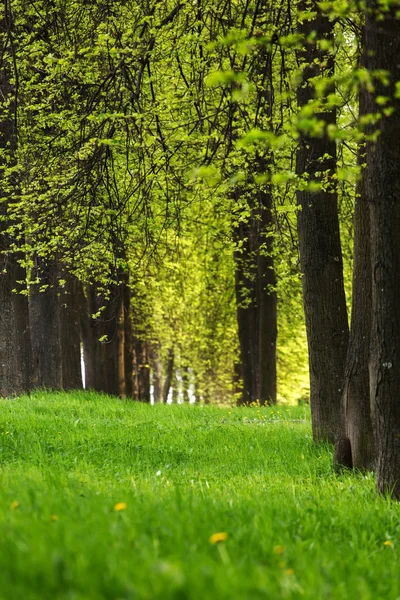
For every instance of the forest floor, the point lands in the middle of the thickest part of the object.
(107, 499)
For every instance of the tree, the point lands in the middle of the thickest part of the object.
(15, 348)
(355, 446)
(318, 227)
(382, 189)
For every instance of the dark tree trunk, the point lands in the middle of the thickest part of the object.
(70, 335)
(382, 186)
(256, 299)
(15, 348)
(128, 352)
(15, 344)
(89, 341)
(44, 315)
(144, 372)
(255, 274)
(246, 302)
(104, 340)
(320, 249)
(355, 445)
(156, 367)
(169, 372)
(141, 369)
(185, 383)
(266, 302)
(109, 326)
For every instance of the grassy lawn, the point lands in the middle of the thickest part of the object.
(180, 474)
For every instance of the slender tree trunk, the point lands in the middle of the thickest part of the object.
(156, 367)
(70, 335)
(44, 315)
(169, 374)
(266, 302)
(143, 370)
(382, 186)
(355, 445)
(185, 383)
(320, 248)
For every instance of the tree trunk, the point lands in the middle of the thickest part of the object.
(319, 244)
(44, 315)
(104, 340)
(169, 374)
(266, 302)
(185, 383)
(15, 348)
(128, 351)
(156, 367)
(90, 347)
(247, 313)
(382, 184)
(355, 445)
(70, 335)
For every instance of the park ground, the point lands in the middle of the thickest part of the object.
(105, 499)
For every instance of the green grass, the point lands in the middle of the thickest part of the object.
(295, 530)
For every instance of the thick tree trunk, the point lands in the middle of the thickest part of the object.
(256, 299)
(90, 347)
(15, 348)
(247, 318)
(15, 345)
(70, 335)
(110, 326)
(128, 351)
(320, 249)
(141, 369)
(382, 184)
(104, 341)
(355, 445)
(44, 316)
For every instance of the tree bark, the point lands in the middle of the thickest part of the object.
(382, 184)
(104, 340)
(169, 374)
(70, 335)
(44, 315)
(355, 446)
(15, 348)
(128, 351)
(266, 301)
(246, 303)
(156, 367)
(319, 244)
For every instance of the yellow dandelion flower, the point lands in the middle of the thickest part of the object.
(387, 543)
(279, 549)
(215, 538)
(54, 517)
(289, 571)
(14, 505)
(120, 506)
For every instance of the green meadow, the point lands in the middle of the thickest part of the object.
(108, 499)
